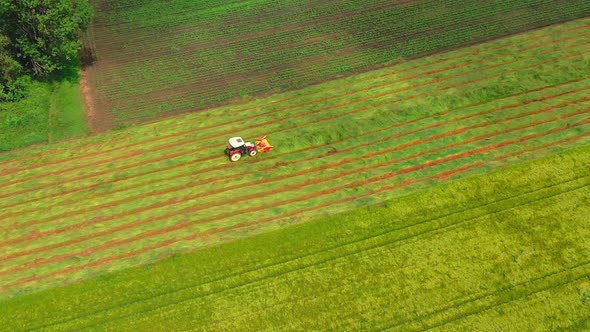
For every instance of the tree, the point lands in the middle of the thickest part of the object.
(9, 68)
(45, 33)
(11, 83)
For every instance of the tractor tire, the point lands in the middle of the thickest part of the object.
(235, 157)
(253, 152)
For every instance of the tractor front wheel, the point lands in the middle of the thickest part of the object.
(252, 152)
(236, 156)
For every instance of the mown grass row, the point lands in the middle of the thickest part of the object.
(578, 86)
(454, 254)
(295, 45)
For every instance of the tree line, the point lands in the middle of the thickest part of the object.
(38, 39)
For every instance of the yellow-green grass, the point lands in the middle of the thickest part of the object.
(503, 250)
(156, 58)
(128, 197)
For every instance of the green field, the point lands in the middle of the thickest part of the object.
(157, 58)
(507, 250)
(52, 111)
(108, 202)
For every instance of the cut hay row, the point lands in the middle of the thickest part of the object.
(289, 187)
(113, 243)
(546, 96)
(545, 91)
(110, 244)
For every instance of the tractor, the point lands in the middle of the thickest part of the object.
(236, 147)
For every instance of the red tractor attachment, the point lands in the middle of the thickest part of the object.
(262, 144)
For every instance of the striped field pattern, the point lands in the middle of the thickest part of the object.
(121, 199)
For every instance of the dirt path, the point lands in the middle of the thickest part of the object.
(88, 104)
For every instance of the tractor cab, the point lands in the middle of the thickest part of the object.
(236, 147)
(235, 143)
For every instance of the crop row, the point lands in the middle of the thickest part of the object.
(144, 84)
(180, 106)
(185, 103)
(363, 19)
(331, 13)
(184, 94)
(236, 63)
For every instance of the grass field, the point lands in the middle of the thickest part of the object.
(52, 111)
(155, 58)
(108, 202)
(506, 250)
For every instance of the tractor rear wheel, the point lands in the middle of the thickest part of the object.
(236, 156)
(252, 152)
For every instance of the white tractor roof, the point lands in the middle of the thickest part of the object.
(236, 142)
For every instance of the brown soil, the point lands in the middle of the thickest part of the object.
(87, 98)
(96, 111)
